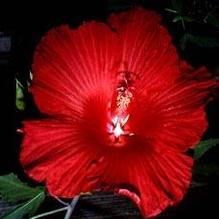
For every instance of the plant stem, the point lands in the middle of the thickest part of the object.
(71, 207)
(49, 213)
(62, 202)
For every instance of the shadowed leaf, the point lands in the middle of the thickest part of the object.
(28, 208)
(201, 41)
(206, 169)
(204, 146)
(213, 20)
(13, 190)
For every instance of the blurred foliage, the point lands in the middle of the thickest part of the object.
(119, 5)
(206, 15)
(188, 14)
(213, 19)
(206, 169)
(201, 41)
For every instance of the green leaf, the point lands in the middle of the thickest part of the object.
(204, 146)
(206, 169)
(202, 41)
(13, 190)
(20, 104)
(28, 208)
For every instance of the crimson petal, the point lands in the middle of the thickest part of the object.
(153, 181)
(54, 152)
(69, 65)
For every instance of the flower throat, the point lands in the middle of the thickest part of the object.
(118, 127)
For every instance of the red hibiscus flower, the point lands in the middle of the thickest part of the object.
(122, 109)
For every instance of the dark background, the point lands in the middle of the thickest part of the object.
(22, 26)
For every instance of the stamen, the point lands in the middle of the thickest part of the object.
(119, 114)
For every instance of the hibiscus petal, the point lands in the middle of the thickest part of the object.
(174, 118)
(69, 65)
(54, 151)
(146, 47)
(153, 181)
(183, 110)
(44, 140)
